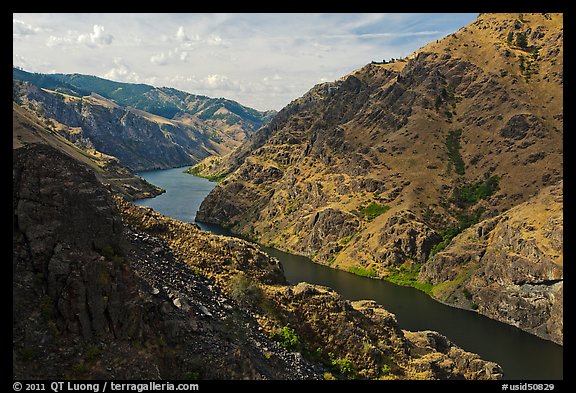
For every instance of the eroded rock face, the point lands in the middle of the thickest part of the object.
(509, 267)
(405, 238)
(66, 223)
(520, 126)
(65, 291)
(438, 356)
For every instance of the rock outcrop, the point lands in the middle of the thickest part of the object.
(364, 341)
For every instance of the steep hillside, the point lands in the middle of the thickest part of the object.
(27, 129)
(509, 267)
(93, 299)
(103, 289)
(144, 127)
(380, 170)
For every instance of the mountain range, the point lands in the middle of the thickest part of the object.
(145, 127)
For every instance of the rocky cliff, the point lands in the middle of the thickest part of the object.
(509, 267)
(103, 289)
(142, 126)
(28, 129)
(93, 299)
(378, 171)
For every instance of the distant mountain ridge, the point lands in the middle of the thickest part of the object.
(162, 101)
(143, 126)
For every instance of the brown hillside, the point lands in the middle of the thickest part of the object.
(383, 167)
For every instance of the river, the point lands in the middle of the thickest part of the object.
(523, 356)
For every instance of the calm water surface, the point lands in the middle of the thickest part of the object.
(521, 355)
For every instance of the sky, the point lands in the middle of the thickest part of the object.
(261, 60)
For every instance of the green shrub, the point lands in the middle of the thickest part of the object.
(437, 102)
(465, 220)
(244, 290)
(385, 370)
(453, 146)
(192, 375)
(373, 210)
(469, 194)
(344, 367)
(346, 239)
(359, 270)
(510, 37)
(197, 171)
(408, 277)
(287, 337)
(92, 352)
(521, 40)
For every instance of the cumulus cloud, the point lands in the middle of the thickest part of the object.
(217, 81)
(216, 40)
(53, 40)
(96, 38)
(121, 72)
(183, 37)
(159, 59)
(163, 58)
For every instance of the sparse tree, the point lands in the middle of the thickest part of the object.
(521, 40)
(510, 37)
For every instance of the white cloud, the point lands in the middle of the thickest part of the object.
(260, 60)
(183, 37)
(215, 40)
(159, 59)
(163, 58)
(217, 81)
(53, 41)
(121, 72)
(21, 29)
(97, 38)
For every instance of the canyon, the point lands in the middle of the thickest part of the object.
(442, 170)
(386, 170)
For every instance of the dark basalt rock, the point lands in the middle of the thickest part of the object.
(522, 125)
(93, 298)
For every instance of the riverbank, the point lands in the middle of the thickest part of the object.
(523, 356)
(351, 339)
